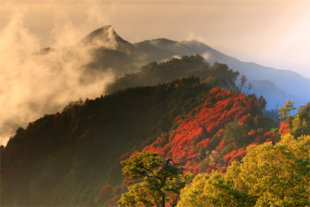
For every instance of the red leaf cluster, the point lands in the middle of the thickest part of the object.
(284, 128)
(197, 131)
(203, 130)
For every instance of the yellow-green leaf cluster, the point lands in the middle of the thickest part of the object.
(269, 175)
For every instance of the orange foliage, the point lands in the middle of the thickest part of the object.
(251, 132)
(284, 128)
(205, 129)
(220, 146)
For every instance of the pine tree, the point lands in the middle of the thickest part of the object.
(154, 181)
(285, 111)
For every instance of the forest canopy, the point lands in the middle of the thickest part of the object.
(268, 175)
(155, 73)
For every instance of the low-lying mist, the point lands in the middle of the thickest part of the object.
(34, 82)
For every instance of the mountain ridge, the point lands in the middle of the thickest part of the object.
(110, 51)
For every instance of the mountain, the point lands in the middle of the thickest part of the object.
(106, 37)
(271, 92)
(71, 158)
(286, 80)
(111, 51)
(290, 83)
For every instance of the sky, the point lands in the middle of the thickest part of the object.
(268, 32)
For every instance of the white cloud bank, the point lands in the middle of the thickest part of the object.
(34, 84)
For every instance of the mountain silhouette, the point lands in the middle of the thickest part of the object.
(106, 37)
(111, 52)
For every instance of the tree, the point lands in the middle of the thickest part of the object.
(155, 181)
(275, 175)
(243, 81)
(269, 175)
(300, 123)
(262, 102)
(212, 190)
(285, 111)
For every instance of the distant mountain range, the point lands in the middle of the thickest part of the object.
(110, 51)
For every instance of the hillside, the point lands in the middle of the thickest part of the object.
(68, 158)
(65, 158)
(225, 121)
(232, 166)
(219, 129)
(270, 174)
(156, 73)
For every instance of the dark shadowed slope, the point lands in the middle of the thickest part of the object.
(67, 159)
(64, 159)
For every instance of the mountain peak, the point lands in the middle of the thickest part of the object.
(105, 37)
(105, 31)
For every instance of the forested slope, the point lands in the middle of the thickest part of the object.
(66, 158)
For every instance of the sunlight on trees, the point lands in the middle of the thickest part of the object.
(269, 175)
(155, 182)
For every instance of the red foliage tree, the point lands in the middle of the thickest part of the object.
(204, 129)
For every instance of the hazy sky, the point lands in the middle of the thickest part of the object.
(269, 32)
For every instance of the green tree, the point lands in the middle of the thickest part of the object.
(269, 175)
(155, 181)
(300, 124)
(236, 133)
(212, 190)
(275, 175)
(285, 111)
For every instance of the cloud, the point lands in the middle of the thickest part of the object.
(172, 57)
(34, 83)
(194, 36)
(206, 56)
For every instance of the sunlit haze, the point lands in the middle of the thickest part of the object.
(271, 33)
